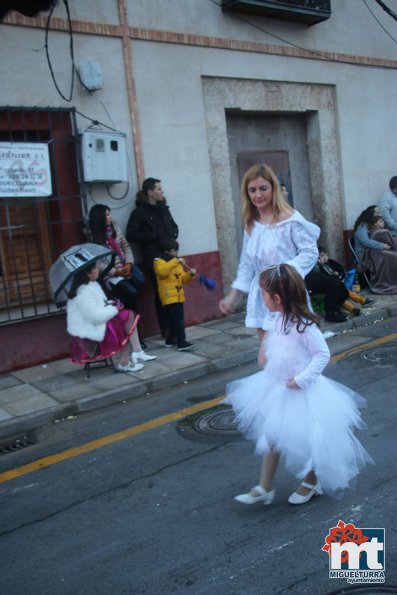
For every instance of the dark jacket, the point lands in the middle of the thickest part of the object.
(147, 225)
(330, 268)
(335, 266)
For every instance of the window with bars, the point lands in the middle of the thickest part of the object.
(35, 229)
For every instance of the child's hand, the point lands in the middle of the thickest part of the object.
(127, 269)
(181, 260)
(262, 359)
(292, 384)
(192, 271)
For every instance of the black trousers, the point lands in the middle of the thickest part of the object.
(335, 292)
(176, 324)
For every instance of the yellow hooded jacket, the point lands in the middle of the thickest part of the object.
(171, 277)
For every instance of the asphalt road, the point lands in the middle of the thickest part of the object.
(151, 510)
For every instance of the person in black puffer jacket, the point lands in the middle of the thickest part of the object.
(149, 222)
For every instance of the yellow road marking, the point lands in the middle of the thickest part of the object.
(151, 424)
(105, 441)
(349, 352)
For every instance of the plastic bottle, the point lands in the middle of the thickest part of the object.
(356, 284)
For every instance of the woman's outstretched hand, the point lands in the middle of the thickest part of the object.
(226, 304)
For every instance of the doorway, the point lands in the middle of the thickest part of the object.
(279, 140)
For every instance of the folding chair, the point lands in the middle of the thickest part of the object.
(362, 272)
(106, 362)
(92, 359)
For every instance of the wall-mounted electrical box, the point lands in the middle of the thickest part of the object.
(91, 75)
(104, 155)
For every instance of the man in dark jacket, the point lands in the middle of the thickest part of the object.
(149, 222)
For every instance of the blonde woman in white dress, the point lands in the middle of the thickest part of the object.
(274, 233)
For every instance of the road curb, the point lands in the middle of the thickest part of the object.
(32, 421)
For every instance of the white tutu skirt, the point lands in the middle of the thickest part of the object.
(311, 428)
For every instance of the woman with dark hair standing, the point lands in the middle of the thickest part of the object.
(108, 233)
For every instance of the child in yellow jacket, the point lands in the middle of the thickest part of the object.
(171, 275)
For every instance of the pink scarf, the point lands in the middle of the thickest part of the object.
(113, 245)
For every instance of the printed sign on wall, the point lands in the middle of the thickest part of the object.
(24, 170)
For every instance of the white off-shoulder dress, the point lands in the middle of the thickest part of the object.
(312, 427)
(292, 241)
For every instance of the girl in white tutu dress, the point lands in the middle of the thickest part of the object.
(289, 408)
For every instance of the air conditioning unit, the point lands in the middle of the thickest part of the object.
(104, 156)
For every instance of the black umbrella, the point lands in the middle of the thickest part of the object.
(71, 262)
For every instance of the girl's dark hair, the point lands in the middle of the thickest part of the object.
(366, 217)
(166, 244)
(80, 278)
(286, 282)
(97, 223)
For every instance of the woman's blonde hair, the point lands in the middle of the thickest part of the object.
(249, 213)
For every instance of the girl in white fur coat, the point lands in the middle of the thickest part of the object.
(100, 328)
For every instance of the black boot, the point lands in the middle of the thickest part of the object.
(335, 317)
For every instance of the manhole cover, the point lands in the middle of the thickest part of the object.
(381, 356)
(217, 423)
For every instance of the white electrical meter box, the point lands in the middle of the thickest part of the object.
(91, 75)
(104, 156)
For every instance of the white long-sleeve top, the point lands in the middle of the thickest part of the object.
(88, 313)
(296, 355)
(292, 241)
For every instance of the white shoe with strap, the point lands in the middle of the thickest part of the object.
(314, 490)
(129, 367)
(141, 355)
(256, 494)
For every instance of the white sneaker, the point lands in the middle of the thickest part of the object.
(257, 494)
(141, 355)
(129, 367)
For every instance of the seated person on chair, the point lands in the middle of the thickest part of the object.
(363, 228)
(119, 280)
(376, 251)
(335, 293)
(100, 328)
(333, 267)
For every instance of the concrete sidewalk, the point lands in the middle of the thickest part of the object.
(35, 396)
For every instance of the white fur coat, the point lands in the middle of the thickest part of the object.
(88, 313)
